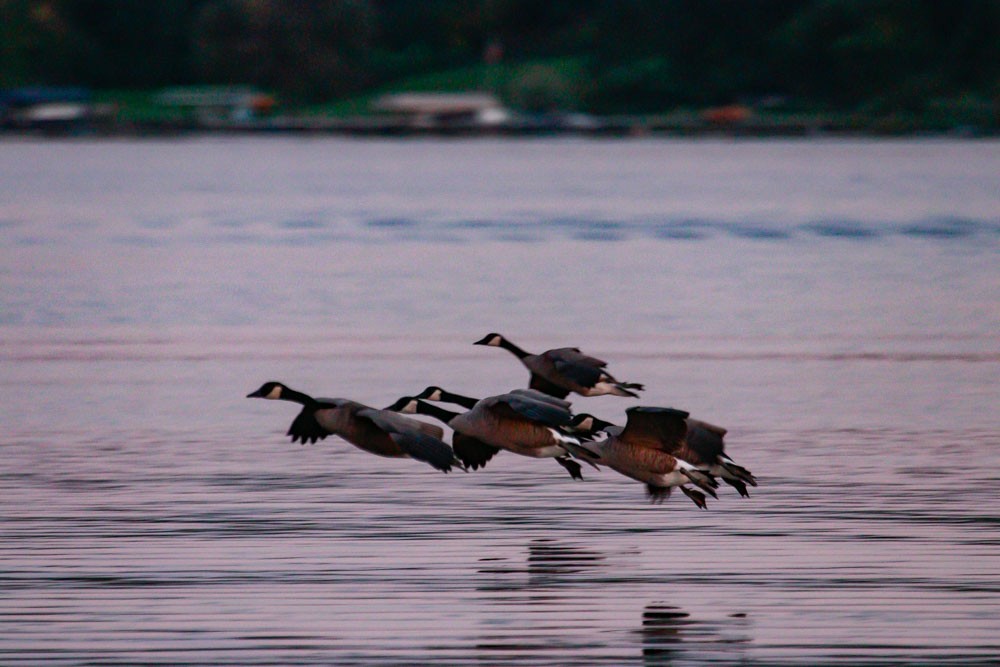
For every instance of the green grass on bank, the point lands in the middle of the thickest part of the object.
(562, 79)
(562, 83)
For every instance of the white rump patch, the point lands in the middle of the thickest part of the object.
(602, 388)
(562, 437)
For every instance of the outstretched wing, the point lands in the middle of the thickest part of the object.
(390, 421)
(474, 453)
(574, 355)
(425, 448)
(541, 384)
(705, 439)
(305, 428)
(420, 440)
(576, 367)
(537, 395)
(657, 428)
(517, 404)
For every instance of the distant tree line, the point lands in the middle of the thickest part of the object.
(628, 55)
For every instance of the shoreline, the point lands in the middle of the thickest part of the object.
(611, 127)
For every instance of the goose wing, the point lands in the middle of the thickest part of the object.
(537, 395)
(576, 367)
(519, 405)
(656, 428)
(414, 437)
(542, 385)
(390, 422)
(574, 355)
(472, 452)
(705, 439)
(305, 427)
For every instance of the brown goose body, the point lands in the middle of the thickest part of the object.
(522, 421)
(648, 450)
(703, 445)
(370, 429)
(518, 423)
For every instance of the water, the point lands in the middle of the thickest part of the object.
(835, 304)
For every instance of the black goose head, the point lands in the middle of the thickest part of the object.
(492, 339)
(270, 390)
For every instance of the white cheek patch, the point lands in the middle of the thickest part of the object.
(275, 393)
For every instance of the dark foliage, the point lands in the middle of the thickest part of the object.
(638, 55)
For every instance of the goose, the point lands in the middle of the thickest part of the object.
(702, 445)
(524, 422)
(584, 432)
(380, 432)
(559, 371)
(472, 452)
(647, 450)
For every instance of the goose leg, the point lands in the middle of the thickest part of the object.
(697, 497)
(702, 480)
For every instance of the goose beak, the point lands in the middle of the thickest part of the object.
(255, 394)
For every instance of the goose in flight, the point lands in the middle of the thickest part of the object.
(523, 421)
(648, 449)
(702, 446)
(380, 432)
(559, 371)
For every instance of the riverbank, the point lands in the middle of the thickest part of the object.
(109, 123)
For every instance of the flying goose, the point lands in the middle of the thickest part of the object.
(475, 453)
(472, 452)
(646, 450)
(380, 432)
(563, 370)
(702, 446)
(523, 421)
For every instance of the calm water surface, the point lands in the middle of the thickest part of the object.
(835, 304)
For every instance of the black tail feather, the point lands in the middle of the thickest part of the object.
(657, 494)
(739, 472)
(738, 485)
(574, 469)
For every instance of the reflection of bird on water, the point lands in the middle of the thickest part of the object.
(661, 630)
(549, 562)
(550, 558)
(669, 633)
